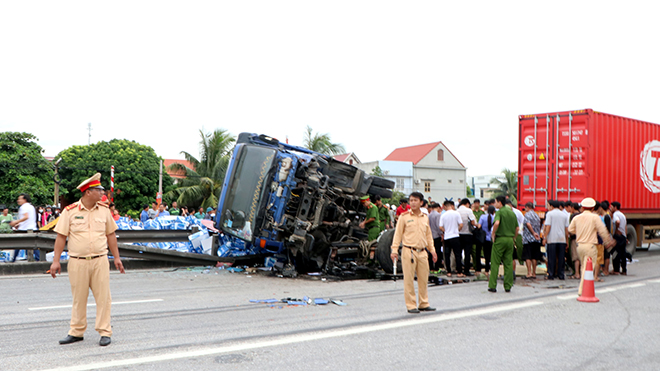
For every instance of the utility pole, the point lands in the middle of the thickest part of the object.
(160, 184)
(56, 199)
(89, 136)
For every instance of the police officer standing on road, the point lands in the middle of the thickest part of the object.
(504, 233)
(414, 232)
(91, 232)
(586, 227)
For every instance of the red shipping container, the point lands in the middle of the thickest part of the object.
(576, 154)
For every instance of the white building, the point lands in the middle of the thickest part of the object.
(436, 172)
(482, 185)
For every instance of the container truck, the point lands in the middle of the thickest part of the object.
(570, 155)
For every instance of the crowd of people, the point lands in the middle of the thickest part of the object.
(164, 209)
(453, 234)
(463, 237)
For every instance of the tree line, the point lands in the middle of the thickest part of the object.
(23, 169)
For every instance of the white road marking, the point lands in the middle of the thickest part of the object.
(603, 291)
(300, 338)
(655, 281)
(94, 304)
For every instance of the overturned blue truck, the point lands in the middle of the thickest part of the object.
(301, 205)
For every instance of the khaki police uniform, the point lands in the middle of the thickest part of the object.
(88, 265)
(586, 226)
(414, 232)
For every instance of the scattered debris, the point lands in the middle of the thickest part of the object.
(297, 302)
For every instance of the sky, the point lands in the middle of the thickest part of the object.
(374, 75)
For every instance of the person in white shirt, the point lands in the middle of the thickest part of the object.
(27, 220)
(425, 207)
(620, 223)
(555, 239)
(450, 224)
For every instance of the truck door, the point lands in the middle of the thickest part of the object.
(535, 168)
(570, 146)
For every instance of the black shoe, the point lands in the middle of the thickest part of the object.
(469, 274)
(427, 309)
(492, 290)
(505, 290)
(70, 339)
(413, 310)
(105, 340)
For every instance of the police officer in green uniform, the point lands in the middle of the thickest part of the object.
(383, 214)
(504, 232)
(371, 221)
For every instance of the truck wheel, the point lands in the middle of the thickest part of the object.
(383, 251)
(382, 182)
(382, 192)
(631, 235)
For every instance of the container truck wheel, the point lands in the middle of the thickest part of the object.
(631, 235)
(383, 252)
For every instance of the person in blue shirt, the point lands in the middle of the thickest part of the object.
(486, 220)
(144, 215)
(162, 211)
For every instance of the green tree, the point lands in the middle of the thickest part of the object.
(508, 187)
(203, 184)
(23, 169)
(377, 171)
(469, 192)
(136, 171)
(396, 197)
(321, 143)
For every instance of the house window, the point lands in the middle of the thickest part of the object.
(441, 155)
(399, 183)
(448, 180)
(350, 162)
(461, 181)
(427, 186)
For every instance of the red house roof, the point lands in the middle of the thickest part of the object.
(175, 174)
(415, 154)
(341, 157)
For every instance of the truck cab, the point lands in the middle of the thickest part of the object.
(279, 198)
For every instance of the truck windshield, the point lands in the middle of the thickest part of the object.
(245, 190)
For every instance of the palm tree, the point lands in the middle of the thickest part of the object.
(203, 185)
(508, 187)
(321, 143)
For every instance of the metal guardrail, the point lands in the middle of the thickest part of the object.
(44, 242)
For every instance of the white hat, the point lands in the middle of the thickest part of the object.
(588, 202)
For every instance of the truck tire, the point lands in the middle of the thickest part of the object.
(383, 252)
(382, 192)
(631, 236)
(382, 182)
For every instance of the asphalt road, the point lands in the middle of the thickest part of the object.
(187, 320)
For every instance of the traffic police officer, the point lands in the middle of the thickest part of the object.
(414, 231)
(586, 227)
(504, 232)
(91, 232)
(371, 220)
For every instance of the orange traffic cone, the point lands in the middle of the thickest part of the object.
(588, 291)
